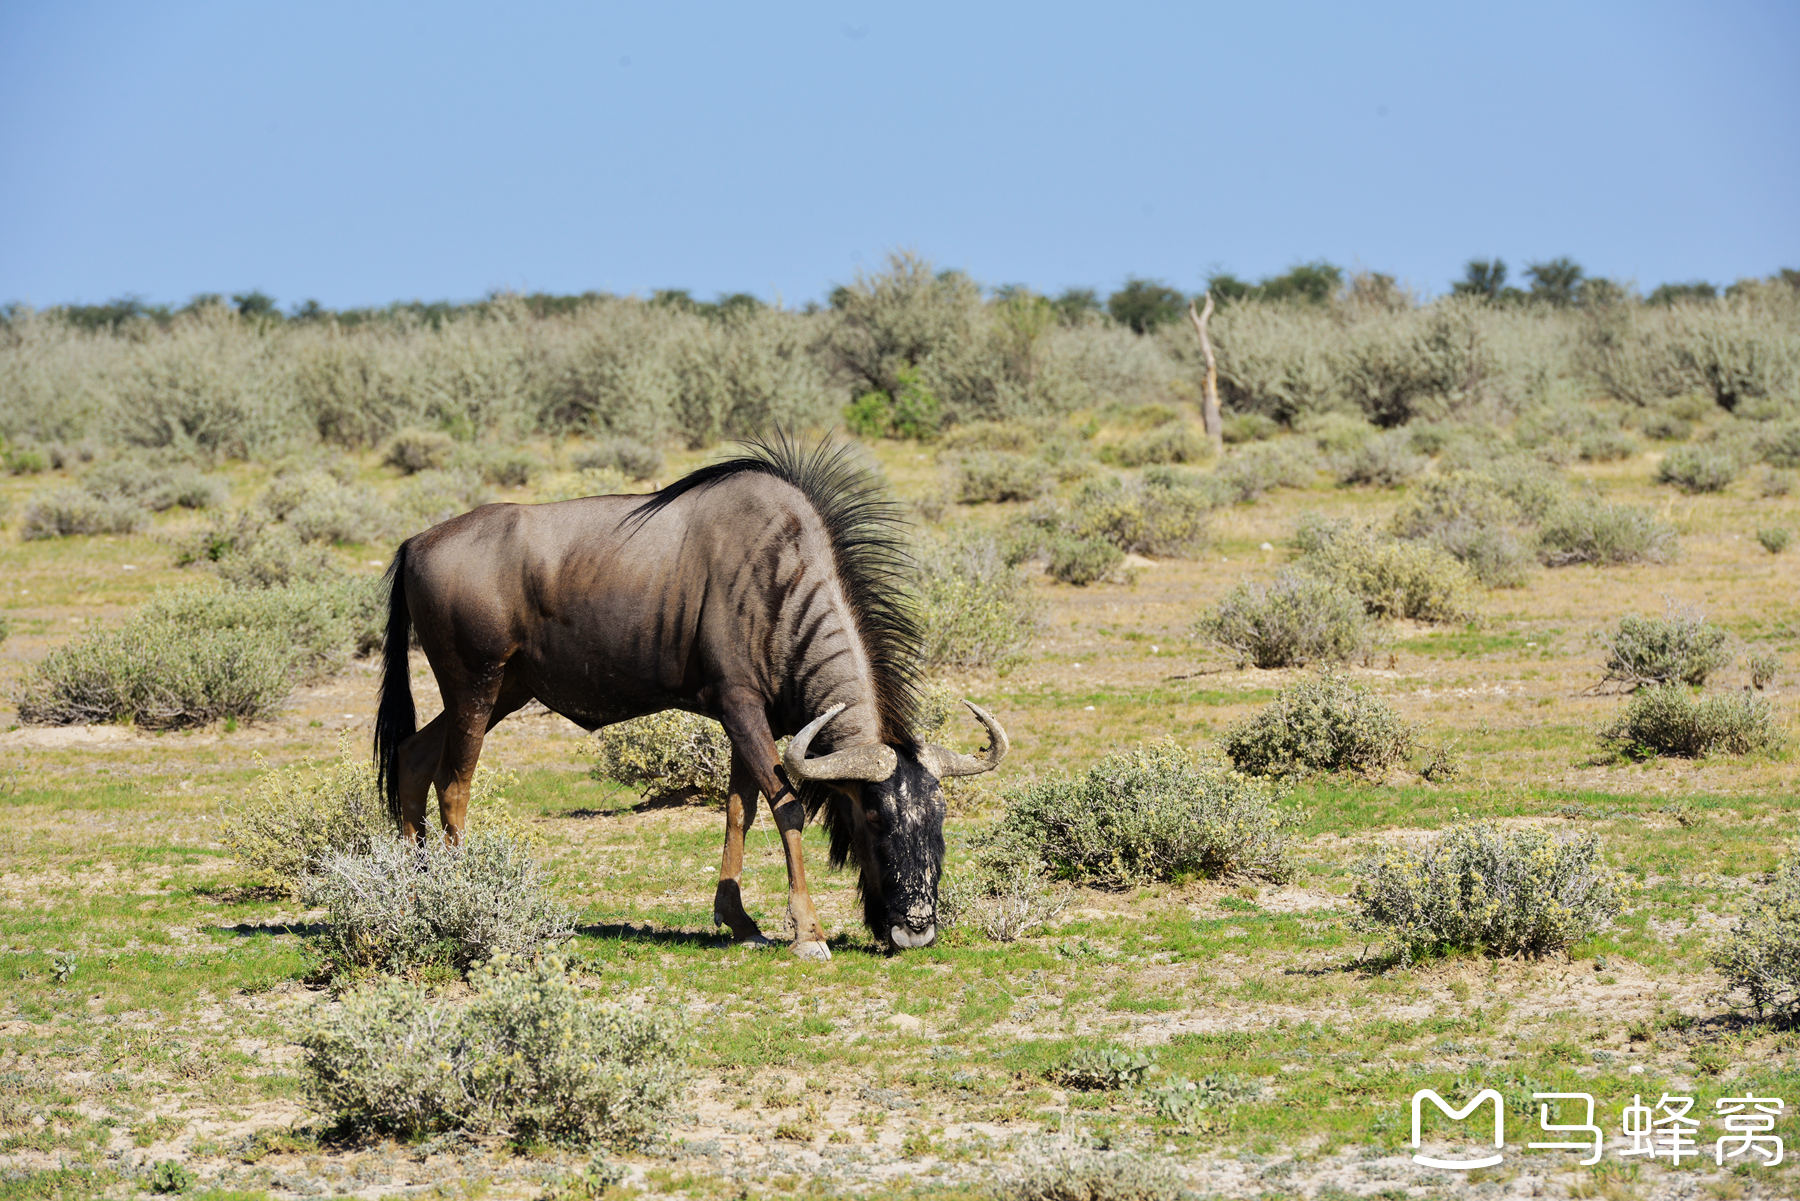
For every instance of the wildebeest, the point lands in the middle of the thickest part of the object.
(768, 591)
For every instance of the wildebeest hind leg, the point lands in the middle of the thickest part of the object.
(414, 766)
(740, 812)
(467, 719)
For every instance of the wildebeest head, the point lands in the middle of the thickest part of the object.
(888, 809)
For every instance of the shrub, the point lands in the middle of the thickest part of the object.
(1157, 812)
(292, 817)
(1336, 433)
(68, 511)
(1172, 442)
(1013, 436)
(1156, 515)
(1469, 518)
(1102, 1069)
(530, 1053)
(510, 468)
(1605, 446)
(1699, 468)
(1481, 887)
(674, 753)
(1325, 724)
(402, 908)
(1665, 426)
(630, 458)
(264, 556)
(1763, 670)
(1385, 460)
(154, 487)
(1065, 1175)
(1392, 578)
(1668, 720)
(995, 476)
(1778, 445)
(1774, 539)
(1253, 470)
(1591, 531)
(320, 507)
(1081, 561)
(416, 450)
(1003, 893)
(1248, 427)
(1298, 619)
(1775, 481)
(975, 609)
(1680, 647)
(169, 1176)
(433, 496)
(1760, 956)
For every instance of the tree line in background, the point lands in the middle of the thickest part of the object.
(905, 351)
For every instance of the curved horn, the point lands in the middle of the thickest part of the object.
(945, 763)
(868, 763)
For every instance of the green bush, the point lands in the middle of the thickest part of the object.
(1172, 442)
(1060, 1174)
(1250, 471)
(292, 817)
(247, 552)
(69, 511)
(1248, 427)
(1776, 481)
(1481, 887)
(1665, 426)
(1384, 461)
(627, 456)
(169, 1177)
(1680, 647)
(1158, 812)
(1778, 444)
(667, 754)
(1013, 436)
(975, 608)
(510, 468)
(1760, 956)
(1299, 618)
(416, 450)
(998, 475)
(1469, 518)
(1082, 561)
(1774, 539)
(1667, 720)
(402, 908)
(1592, 531)
(318, 506)
(1103, 1069)
(1323, 724)
(1763, 670)
(530, 1054)
(1606, 446)
(1156, 515)
(156, 487)
(1699, 468)
(1392, 578)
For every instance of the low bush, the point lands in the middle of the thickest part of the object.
(1392, 578)
(1336, 433)
(1699, 468)
(1172, 442)
(1679, 647)
(318, 506)
(1103, 1069)
(671, 753)
(1157, 812)
(1003, 893)
(1664, 426)
(510, 468)
(1249, 472)
(292, 817)
(1324, 724)
(1469, 518)
(1238, 428)
(1778, 444)
(1484, 888)
(1064, 1175)
(1161, 514)
(975, 608)
(1666, 720)
(405, 909)
(1384, 461)
(1763, 670)
(69, 511)
(1776, 481)
(416, 450)
(1013, 436)
(155, 486)
(1608, 445)
(994, 476)
(433, 496)
(1081, 561)
(1760, 956)
(1592, 531)
(1297, 619)
(630, 458)
(1774, 539)
(530, 1054)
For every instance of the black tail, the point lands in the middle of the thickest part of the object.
(395, 720)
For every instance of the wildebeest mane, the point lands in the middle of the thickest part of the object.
(868, 543)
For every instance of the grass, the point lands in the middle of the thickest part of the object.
(175, 1022)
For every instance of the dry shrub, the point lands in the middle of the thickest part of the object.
(1065, 1175)
(1262, 467)
(1386, 460)
(1172, 442)
(671, 753)
(1760, 956)
(320, 506)
(530, 1054)
(1297, 619)
(1324, 724)
(433, 496)
(1485, 888)
(1158, 812)
(1003, 893)
(1666, 720)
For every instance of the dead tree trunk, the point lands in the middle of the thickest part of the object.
(1209, 393)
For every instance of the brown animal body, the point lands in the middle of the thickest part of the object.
(767, 592)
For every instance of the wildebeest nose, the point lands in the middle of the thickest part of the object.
(907, 939)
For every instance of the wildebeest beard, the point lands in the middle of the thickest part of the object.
(898, 884)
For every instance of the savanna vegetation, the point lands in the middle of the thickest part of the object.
(1436, 729)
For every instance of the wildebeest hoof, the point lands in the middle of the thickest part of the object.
(817, 952)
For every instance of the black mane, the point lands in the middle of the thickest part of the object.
(868, 542)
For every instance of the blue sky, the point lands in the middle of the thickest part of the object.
(362, 153)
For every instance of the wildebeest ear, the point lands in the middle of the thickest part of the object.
(871, 763)
(945, 763)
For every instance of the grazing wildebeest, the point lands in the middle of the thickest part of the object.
(768, 591)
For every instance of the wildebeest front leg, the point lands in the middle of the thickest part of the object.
(740, 812)
(754, 742)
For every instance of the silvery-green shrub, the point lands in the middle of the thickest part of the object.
(1321, 724)
(975, 608)
(1587, 530)
(1760, 956)
(671, 753)
(1392, 578)
(1296, 619)
(1668, 720)
(1679, 647)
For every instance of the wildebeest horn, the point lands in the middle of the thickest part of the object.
(870, 763)
(945, 763)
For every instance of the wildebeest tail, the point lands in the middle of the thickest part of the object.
(395, 719)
